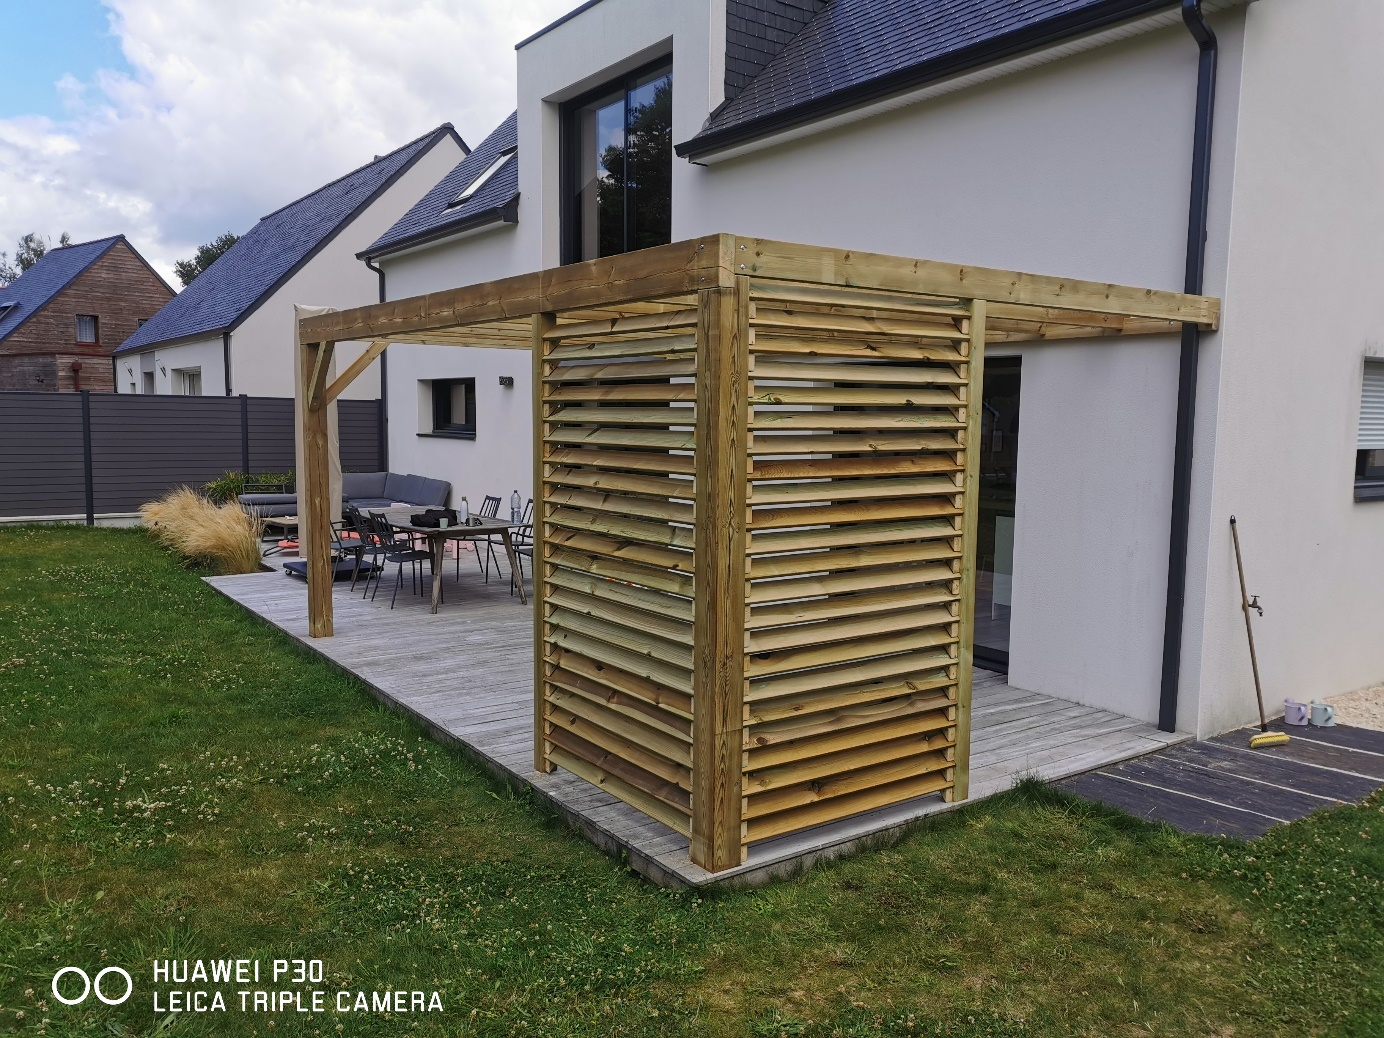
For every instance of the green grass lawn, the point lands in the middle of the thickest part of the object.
(178, 780)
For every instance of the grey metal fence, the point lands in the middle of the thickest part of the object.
(90, 454)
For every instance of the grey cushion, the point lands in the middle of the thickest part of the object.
(394, 486)
(434, 492)
(414, 491)
(371, 503)
(362, 484)
(260, 500)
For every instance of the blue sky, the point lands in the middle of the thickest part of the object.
(43, 40)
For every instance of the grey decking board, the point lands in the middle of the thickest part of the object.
(1186, 813)
(466, 674)
(1366, 739)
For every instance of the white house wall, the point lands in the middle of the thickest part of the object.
(206, 354)
(262, 346)
(1303, 308)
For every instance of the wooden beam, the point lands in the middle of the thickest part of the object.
(320, 367)
(961, 787)
(542, 649)
(314, 505)
(667, 270)
(719, 575)
(352, 372)
(763, 258)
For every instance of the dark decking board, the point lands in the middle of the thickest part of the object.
(1337, 735)
(1356, 762)
(1190, 814)
(1223, 788)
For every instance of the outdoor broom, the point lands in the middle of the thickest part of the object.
(1265, 737)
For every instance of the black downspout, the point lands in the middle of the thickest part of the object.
(1187, 364)
(226, 359)
(384, 383)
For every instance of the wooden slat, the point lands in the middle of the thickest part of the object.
(624, 415)
(616, 542)
(811, 703)
(804, 345)
(674, 630)
(840, 295)
(888, 421)
(611, 764)
(842, 806)
(637, 663)
(638, 641)
(904, 548)
(913, 722)
(679, 440)
(629, 461)
(798, 636)
(852, 489)
(849, 674)
(645, 748)
(622, 681)
(618, 326)
(621, 593)
(769, 542)
(682, 367)
(837, 720)
(862, 756)
(837, 396)
(858, 443)
(907, 595)
(666, 721)
(673, 818)
(656, 393)
(651, 486)
(853, 512)
(859, 652)
(872, 371)
(666, 346)
(618, 569)
(811, 322)
(621, 504)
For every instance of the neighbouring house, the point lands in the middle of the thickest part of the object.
(1057, 136)
(61, 319)
(230, 330)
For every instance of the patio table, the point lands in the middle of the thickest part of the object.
(400, 519)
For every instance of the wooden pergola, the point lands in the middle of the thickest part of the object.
(755, 484)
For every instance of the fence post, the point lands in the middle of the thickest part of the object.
(86, 458)
(244, 434)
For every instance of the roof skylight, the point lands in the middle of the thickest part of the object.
(471, 189)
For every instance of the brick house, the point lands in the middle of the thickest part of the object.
(63, 317)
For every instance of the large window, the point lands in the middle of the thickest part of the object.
(617, 155)
(1369, 442)
(454, 407)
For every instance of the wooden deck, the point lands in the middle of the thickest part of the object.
(466, 673)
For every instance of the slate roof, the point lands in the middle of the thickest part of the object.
(435, 217)
(33, 289)
(855, 51)
(274, 249)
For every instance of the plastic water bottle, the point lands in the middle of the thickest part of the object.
(515, 508)
(463, 513)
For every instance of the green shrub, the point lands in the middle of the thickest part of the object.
(230, 485)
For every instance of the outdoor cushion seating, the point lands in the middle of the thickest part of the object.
(363, 490)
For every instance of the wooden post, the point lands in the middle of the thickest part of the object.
(975, 384)
(718, 680)
(542, 323)
(314, 482)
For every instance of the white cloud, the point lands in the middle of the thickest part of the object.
(232, 110)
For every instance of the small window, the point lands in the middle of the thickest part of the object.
(480, 182)
(189, 381)
(5, 308)
(1369, 442)
(454, 407)
(87, 328)
(141, 321)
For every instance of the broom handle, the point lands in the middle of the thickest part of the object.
(1249, 626)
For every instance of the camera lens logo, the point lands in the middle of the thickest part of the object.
(89, 986)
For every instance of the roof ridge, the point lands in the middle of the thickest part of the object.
(79, 244)
(360, 169)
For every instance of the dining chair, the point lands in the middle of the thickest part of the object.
(395, 547)
(523, 543)
(490, 509)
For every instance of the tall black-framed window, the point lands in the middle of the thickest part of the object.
(617, 166)
(454, 407)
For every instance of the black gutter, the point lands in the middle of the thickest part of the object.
(383, 446)
(506, 212)
(226, 359)
(1197, 217)
(1033, 37)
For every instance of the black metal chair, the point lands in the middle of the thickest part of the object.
(522, 537)
(392, 546)
(490, 509)
(352, 536)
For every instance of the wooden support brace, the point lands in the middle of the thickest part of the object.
(351, 373)
(719, 575)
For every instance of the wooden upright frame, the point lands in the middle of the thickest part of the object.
(755, 475)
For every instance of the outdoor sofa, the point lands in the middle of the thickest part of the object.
(364, 490)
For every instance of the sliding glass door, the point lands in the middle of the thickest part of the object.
(999, 467)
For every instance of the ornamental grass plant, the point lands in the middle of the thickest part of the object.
(223, 537)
